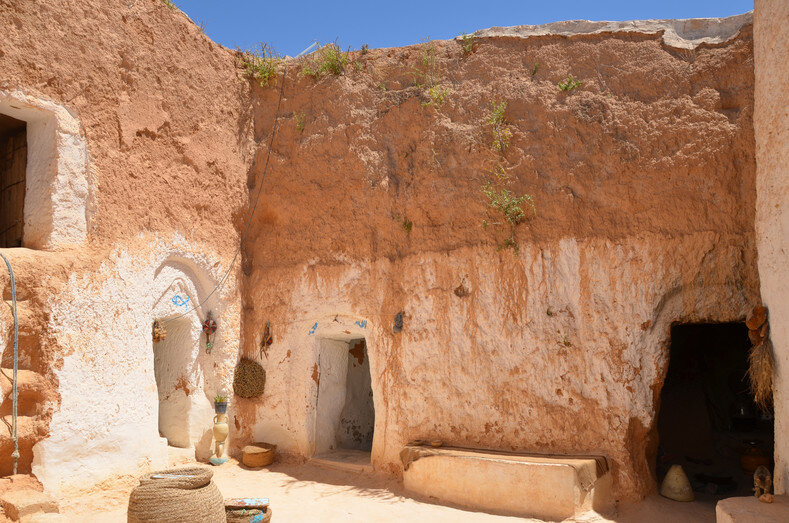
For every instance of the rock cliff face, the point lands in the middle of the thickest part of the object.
(643, 183)
(549, 336)
(163, 117)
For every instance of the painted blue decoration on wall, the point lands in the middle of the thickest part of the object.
(314, 327)
(362, 324)
(178, 301)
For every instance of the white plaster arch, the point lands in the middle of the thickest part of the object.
(57, 185)
(182, 365)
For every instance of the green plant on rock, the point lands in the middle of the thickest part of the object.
(408, 225)
(499, 197)
(467, 43)
(498, 121)
(428, 77)
(438, 95)
(329, 59)
(170, 4)
(510, 243)
(505, 201)
(569, 84)
(497, 116)
(260, 63)
(300, 117)
(535, 68)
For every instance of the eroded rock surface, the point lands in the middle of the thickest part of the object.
(642, 179)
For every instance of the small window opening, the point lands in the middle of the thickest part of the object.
(13, 167)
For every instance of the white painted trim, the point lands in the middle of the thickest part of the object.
(57, 187)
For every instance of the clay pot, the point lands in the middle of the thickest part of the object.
(220, 407)
(752, 458)
(676, 485)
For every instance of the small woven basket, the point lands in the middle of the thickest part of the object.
(258, 455)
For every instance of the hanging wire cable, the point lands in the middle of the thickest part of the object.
(14, 390)
(257, 196)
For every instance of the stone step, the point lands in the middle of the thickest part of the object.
(27, 318)
(44, 517)
(30, 431)
(748, 509)
(26, 503)
(29, 357)
(34, 392)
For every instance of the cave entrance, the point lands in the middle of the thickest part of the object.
(345, 415)
(13, 168)
(708, 420)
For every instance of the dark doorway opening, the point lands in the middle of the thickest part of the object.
(13, 168)
(708, 422)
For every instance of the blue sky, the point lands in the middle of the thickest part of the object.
(290, 26)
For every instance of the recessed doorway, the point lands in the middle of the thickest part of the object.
(13, 168)
(708, 420)
(345, 416)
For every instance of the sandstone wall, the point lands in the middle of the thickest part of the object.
(643, 178)
(771, 127)
(644, 184)
(164, 119)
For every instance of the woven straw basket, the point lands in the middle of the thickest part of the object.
(180, 495)
(258, 455)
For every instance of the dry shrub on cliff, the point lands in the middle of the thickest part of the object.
(501, 131)
(428, 77)
(329, 59)
(260, 63)
(499, 196)
(467, 43)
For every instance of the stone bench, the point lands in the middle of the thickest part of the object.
(532, 485)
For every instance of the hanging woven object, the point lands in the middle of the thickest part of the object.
(249, 379)
(761, 362)
(159, 332)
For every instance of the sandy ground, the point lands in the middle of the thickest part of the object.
(306, 492)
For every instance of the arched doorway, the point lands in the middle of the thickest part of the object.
(181, 362)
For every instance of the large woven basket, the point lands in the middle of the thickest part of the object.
(180, 495)
(258, 455)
